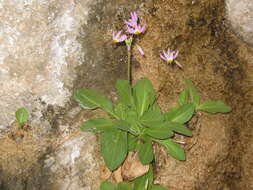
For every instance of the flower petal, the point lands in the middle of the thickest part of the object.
(140, 50)
(176, 54)
(161, 55)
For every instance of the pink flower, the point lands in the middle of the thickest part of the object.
(140, 50)
(133, 21)
(116, 38)
(170, 56)
(136, 30)
(132, 25)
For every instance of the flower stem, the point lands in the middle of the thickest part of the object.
(129, 56)
(129, 76)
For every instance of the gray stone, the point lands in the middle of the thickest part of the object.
(38, 53)
(73, 165)
(240, 16)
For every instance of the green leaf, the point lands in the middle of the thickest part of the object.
(123, 125)
(107, 185)
(144, 95)
(151, 118)
(159, 132)
(124, 186)
(193, 92)
(144, 182)
(214, 107)
(158, 187)
(120, 110)
(22, 116)
(174, 149)
(145, 151)
(181, 129)
(131, 142)
(170, 125)
(156, 107)
(131, 116)
(132, 119)
(183, 97)
(114, 148)
(124, 91)
(150, 176)
(89, 99)
(98, 125)
(180, 115)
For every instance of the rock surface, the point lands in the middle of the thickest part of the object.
(38, 53)
(240, 16)
(52, 47)
(70, 165)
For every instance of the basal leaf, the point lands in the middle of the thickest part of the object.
(181, 129)
(214, 107)
(124, 91)
(98, 125)
(22, 116)
(107, 185)
(124, 186)
(114, 148)
(141, 183)
(122, 125)
(156, 107)
(150, 176)
(131, 142)
(120, 110)
(158, 187)
(180, 115)
(89, 99)
(174, 149)
(194, 96)
(145, 151)
(131, 116)
(151, 118)
(159, 132)
(183, 97)
(170, 124)
(144, 95)
(144, 182)
(132, 119)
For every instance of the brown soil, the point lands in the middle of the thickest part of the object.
(221, 66)
(20, 160)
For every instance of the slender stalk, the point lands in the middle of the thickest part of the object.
(129, 56)
(129, 69)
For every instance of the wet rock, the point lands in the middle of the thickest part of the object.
(240, 16)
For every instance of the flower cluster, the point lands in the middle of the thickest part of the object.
(132, 25)
(134, 28)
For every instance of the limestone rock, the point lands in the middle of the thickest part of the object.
(38, 53)
(240, 15)
(73, 165)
